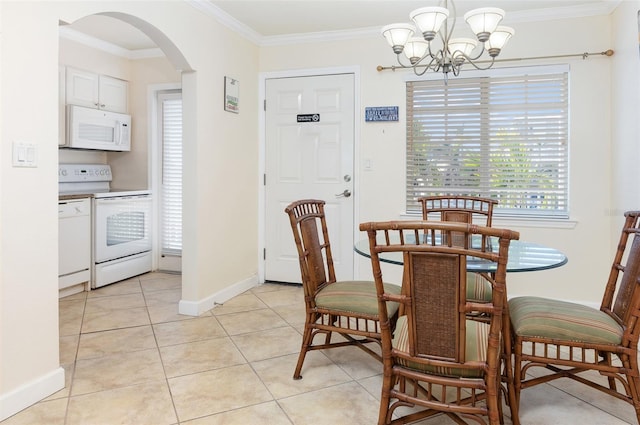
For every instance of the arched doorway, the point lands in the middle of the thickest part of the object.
(173, 55)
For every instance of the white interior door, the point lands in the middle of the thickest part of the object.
(309, 154)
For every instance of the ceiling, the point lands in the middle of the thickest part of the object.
(273, 19)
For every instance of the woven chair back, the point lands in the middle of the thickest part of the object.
(460, 209)
(434, 286)
(623, 287)
(311, 236)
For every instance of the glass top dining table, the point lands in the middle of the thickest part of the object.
(523, 257)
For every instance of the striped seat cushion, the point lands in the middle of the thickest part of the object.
(355, 297)
(475, 349)
(478, 288)
(547, 318)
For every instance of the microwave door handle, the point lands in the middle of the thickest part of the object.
(118, 133)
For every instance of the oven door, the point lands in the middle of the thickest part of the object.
(122, 226)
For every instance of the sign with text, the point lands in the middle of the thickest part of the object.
(308, 117)
(231, 95)
(381, 113)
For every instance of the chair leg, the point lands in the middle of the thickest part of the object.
(493, 398)
(387, 382)
(634, 384)
(517, 371)
(306, 343)
(509, 369)
(512, 399)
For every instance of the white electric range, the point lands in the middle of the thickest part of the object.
(121, 234)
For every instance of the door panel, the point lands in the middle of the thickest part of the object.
(312, 159)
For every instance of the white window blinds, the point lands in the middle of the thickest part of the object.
(503, 137)
(171, 188)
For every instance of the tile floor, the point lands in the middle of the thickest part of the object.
(130, 358)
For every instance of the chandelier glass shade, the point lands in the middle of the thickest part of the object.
(428, 42)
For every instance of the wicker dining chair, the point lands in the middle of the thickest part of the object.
(463, 209)
(439, 359)
(348, 308)
(568, 339)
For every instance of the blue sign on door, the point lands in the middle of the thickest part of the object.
(381, 113)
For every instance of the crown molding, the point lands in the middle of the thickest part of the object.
(206, 7)
(565, 12)
(96, 43)
(227, 20)
(535, 15)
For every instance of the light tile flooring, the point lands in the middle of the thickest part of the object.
(130, 358)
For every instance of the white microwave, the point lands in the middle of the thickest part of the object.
(96, 129)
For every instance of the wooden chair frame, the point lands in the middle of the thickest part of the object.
(567, 359)
(434, 302)
(307, 218)
(459, 208)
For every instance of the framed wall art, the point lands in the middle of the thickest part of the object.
(231, 95)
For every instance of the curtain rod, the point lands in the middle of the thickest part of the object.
(584, 55)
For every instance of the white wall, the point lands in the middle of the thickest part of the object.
(220, 193)
(586, 239)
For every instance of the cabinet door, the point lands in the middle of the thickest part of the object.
(113, 94)
(61, 103)
(82, 88)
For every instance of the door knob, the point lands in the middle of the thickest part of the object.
(345, 194)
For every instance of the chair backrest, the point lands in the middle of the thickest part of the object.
(310, 233)
(622, 294)
(463, 209)
(458, 208)
(434, 289)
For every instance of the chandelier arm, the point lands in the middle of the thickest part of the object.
(418, 73)
(476, 66)
(429, 53)
(482, 50)
(585, 55)
(445, 40)
(426, 67)
(398, 56)
(434, 64)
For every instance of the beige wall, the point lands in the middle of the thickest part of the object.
(625, 88)
(586, 239)
(131, 169)
(220, 210)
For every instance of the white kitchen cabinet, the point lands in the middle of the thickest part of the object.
(93, 90)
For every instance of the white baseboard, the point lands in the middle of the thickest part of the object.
(196, 308)
(31, 393)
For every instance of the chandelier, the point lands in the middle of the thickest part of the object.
(447, 54)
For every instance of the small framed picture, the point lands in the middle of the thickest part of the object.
(231, 95)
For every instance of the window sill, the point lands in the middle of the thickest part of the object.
(512, 221)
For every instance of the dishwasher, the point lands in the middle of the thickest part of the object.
(74, 245)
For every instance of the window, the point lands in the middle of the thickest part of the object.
(170, 108)
(499, 136)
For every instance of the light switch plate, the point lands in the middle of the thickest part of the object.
(25, 155)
